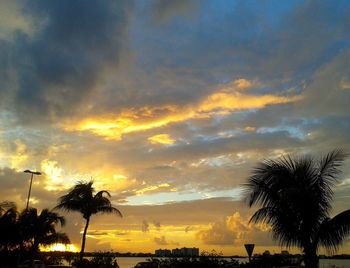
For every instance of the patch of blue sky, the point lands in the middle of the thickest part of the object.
(220, 135)
(171, 197)
(311, 121)
(293, 132)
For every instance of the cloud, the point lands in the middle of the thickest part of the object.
(13, 19)
(54, 174)
(157, 224)
(161, 139)
(20, 156)
(225, 84)
(243, 84)
(163, 242)
(218, 234)
(164, 10)
(96, 233)
(154, 188)
(222, 102)
(234, 230)
(56, 70)
(145, 226)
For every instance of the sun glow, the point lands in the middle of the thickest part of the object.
(60, 247)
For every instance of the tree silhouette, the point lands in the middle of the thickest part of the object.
(40, 229)
(9, 235)
(295, 196)
(81, 198)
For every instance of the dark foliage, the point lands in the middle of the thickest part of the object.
(295, 197)
(21, 234)
(82, 198)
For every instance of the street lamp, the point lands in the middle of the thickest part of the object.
(31, 180)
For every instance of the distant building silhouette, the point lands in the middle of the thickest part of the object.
(178, 252)
(163, 252)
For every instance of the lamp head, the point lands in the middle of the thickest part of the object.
(32, 172)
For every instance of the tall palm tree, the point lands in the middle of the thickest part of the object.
(81, 198)
(295, 196)
(40, 229)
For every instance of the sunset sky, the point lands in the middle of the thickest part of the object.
(169, 105)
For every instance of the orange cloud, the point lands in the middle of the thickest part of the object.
(233, 230)
(161, 139)
(155, 188)
(223, 102)
(243, 83)
(19, 158)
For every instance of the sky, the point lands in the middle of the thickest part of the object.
(169, 105)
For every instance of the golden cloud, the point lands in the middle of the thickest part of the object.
(223, 102)
(161, 139)
(19, 158)
(155, 188)
(54, 178)
(232, 230)
(243, 83)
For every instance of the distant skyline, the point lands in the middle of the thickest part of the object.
(168, 105)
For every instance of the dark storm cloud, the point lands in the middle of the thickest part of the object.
(280, 43)
(57, 69)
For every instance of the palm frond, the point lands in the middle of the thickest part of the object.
(266, 179)
(101, 193)
(58, 237)
(263, 215)
(333, 231)
(328, 176)
(294, 196)
(110, 209)
(329, 166)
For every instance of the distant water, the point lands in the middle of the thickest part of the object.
(130, 262)
(332, 263)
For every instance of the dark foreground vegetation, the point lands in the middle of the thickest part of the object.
(294, 196)
(213, 260)
(108, 260)
(22, 233)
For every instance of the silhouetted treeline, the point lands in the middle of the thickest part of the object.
(216, 261)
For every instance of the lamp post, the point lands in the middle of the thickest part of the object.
(31, 180)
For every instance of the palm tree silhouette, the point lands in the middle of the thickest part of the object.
(295, 196)
(40, 229)
(81, 198)
(9, 235)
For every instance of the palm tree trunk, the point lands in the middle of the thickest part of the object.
(83, 240)
(35, 247)
(311, 258)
